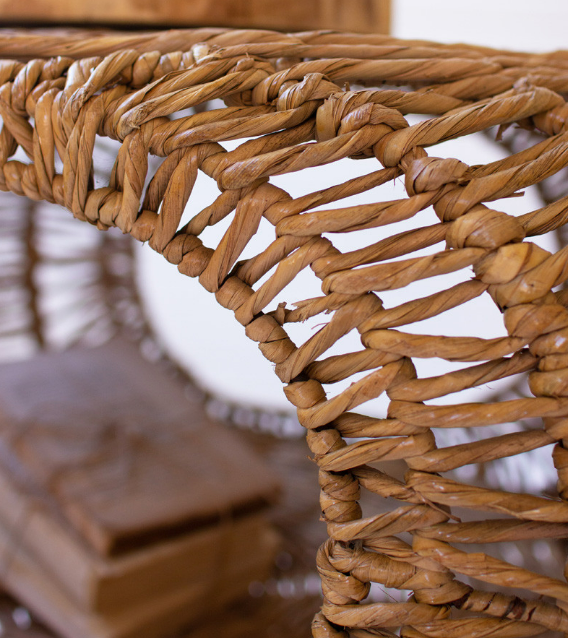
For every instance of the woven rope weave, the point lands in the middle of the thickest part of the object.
(290, 96)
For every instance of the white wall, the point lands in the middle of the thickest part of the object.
(510, 24)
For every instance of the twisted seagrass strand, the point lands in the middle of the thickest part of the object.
(296, 102)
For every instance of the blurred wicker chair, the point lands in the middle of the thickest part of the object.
(303, 101)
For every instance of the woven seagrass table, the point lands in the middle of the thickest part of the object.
(307, 100)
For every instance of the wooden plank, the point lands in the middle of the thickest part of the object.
(365, 16)
(100, 586)
(164, 615)
(121, 451)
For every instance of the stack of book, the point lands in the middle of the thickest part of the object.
(124, 511)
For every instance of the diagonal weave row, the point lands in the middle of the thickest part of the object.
(290, 97)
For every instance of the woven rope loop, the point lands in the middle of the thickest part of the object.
(412, 470)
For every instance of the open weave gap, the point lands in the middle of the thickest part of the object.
(291, 98)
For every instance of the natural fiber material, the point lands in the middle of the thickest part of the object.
(292, 95)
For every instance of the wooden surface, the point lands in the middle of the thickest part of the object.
(367, 16)
(157, 470)
(296, 518)
(138, 462)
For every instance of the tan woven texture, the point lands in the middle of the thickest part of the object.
(303, 101)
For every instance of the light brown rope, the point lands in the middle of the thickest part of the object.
(291, 96)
